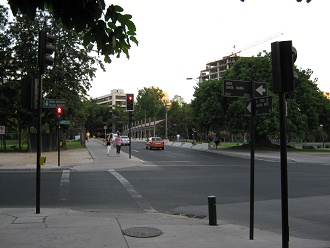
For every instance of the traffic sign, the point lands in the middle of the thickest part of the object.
(264, 105)
(65, 122)
(52, 103)
(238, 88)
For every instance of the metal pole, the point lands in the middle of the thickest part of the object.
(252, 142)
(284, 172)
(39, 124)
(58, 144)
(165, 123)
(130, 133)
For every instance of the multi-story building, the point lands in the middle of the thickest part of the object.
(215, 69)
(117, 97)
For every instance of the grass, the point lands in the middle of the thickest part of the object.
(74, 144)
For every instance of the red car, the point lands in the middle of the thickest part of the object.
(155, 142)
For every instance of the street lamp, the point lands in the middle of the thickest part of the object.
(322, 133)
(189, 78)
(167, 106)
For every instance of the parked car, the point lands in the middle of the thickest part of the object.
(125, 140)
(155, 142)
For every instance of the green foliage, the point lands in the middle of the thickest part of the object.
(307, 107)
(149, 103)
(111, 31)
(209, 107)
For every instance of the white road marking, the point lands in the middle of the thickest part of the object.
(64, 186)
(134, 193)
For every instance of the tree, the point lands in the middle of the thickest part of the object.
(208, 107)
(149, 102)
(111, 31)
(69, 78)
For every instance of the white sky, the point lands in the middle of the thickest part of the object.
(178, 37)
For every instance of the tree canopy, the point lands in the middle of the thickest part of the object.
(108, 28)
(307, 107)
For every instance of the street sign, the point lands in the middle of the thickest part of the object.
(65, 122)
(264, 105)
(2, 129)
(52, 103)
(238, 88)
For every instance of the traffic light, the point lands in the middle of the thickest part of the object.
(283, 57)
(59, 112)
(130, 102)
(46, 49)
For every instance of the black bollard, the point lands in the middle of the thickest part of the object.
(212, 211)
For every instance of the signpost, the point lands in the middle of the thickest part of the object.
(263, 105)
(238, 88)
(258, 103)
(65, 122)
(52, 103)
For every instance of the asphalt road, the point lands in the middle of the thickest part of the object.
(178, 181)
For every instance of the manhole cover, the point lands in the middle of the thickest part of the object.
(142, 232)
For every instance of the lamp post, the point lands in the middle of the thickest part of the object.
(189, 78)
(322, 133)
(167, 106)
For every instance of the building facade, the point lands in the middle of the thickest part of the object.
(117, 97)
(215, 69)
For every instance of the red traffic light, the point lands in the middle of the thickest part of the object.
(59, 110)
(130, 102)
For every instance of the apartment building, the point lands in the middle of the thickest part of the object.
(216, 68)
(117, 97)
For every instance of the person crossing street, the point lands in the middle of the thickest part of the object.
(118, 142)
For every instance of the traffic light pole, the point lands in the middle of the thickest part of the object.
(58, 144)
(39, 124)
(284, 172)
(130, 133)
(252, 158)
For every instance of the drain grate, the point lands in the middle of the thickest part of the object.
(142, 232)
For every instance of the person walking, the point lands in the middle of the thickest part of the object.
(118, 142)
(216, 141)
(108, 144)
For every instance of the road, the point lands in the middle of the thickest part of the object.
(178, 181)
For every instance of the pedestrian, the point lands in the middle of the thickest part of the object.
(118, 142)
(178, 137)
(108, 144)
(216, 141)
(87, 135)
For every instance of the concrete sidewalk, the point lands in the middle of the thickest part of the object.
(58, 227)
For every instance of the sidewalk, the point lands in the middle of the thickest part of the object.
(60, 228)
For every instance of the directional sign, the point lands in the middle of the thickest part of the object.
(52, 103)
(264, 105)
(237, 88)
(65, 122)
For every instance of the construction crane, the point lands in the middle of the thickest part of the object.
(255, 44)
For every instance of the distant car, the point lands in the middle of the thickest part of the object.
(155, 142)
(125, 140)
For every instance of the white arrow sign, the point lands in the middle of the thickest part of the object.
(261, 90)
(249, 107)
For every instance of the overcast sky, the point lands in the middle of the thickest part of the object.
(178, 37)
